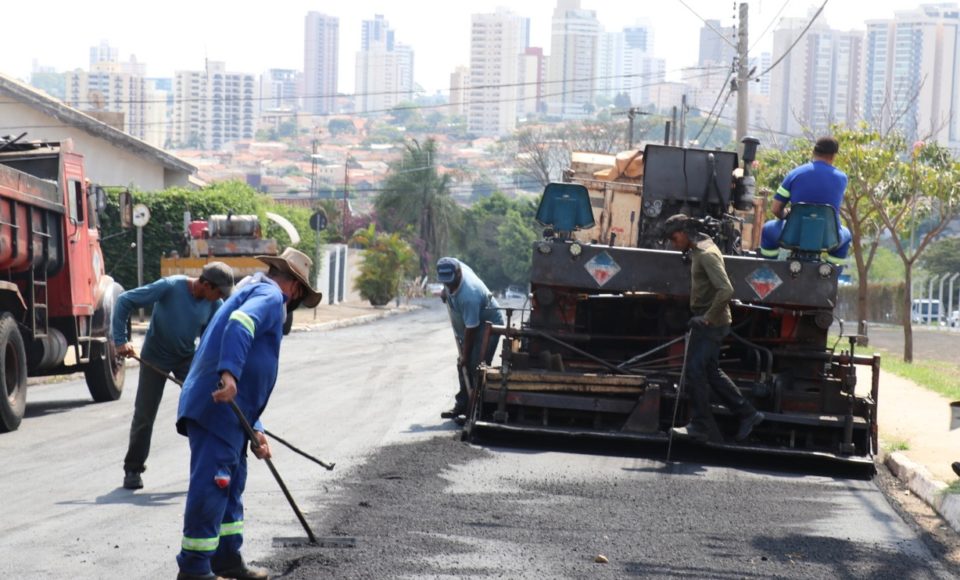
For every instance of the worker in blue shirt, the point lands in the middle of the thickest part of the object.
(182, 307)
(815, 182)
(470, 305)
(237, 360)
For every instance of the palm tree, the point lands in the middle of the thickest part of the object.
(414, 194)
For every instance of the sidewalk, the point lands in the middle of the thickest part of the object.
(920, 419)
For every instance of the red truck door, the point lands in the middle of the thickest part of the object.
(80, 271)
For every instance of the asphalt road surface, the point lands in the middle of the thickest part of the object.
(940, 344)
(419, 503)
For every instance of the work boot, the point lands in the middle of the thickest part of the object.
(210, 576)
(956, 467)
(747, 424)
(691, 433)
(132, 480)
(244, 572)
(455, 412)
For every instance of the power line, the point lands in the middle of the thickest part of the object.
(411, 107)
(232, 99)
(710, 26)
(789, 48)
(769, 24)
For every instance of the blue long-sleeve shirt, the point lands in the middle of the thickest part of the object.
(244, 339)
(177, 320)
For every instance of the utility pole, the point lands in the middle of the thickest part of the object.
(683, 121)
(346, 184)
(743, 73)
(631, 113)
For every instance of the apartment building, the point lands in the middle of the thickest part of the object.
(213, 107)
(321, 53)
(384, 68)
(911, 73)
(818, 83)
(497, 42)
(574, 45)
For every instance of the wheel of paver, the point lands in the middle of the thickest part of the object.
(105, 372)
(13, 374)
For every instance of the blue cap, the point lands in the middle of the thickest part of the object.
(447, 269)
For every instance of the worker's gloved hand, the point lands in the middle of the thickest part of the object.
(125, 350)
(698, 323)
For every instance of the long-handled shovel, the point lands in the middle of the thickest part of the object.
(324, 464)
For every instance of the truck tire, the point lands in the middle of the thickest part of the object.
(13, 374)
(105, 373)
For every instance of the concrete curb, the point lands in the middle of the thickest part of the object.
(920, 481)
(357, 320)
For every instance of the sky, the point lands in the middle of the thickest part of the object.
(254, 36)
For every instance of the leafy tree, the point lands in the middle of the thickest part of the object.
(515, 238)
(496, 237)
(622, 101)
(406, 114)
(388, 259)
(925, 188)
(943, 257)
(415, 193)
(340, 127)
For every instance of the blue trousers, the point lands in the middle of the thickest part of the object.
(213, 517)
(770, 241)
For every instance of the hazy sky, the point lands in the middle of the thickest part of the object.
(252, 36)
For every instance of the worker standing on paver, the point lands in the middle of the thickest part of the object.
(237, 361)
(710, 293)
(470, 305)
(817, 181)
(182, 307)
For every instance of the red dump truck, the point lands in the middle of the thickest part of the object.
(55, 298)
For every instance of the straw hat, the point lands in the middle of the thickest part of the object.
(297, 264)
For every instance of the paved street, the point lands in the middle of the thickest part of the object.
(940, 344)
(420, 503)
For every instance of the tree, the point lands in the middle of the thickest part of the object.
(415, 193)
(541, 156)
(622, 101)
(341, 126)
(515, 238)
(496, 239)
(925, 189)
(943, 257)
(386, 262)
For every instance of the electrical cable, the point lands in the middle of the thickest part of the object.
(797, 40)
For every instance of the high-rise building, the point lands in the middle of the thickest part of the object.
(718, 44)
(817, 83)
(574, 45)
(533, 73)
(384, 68)
(213, 107)
(48, 80)
(626, 64)
(111, 91)
(279, 89)
(459, 88)
(496, 43)
(321, 54)
(912, 73)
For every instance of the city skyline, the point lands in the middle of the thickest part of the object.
(238, 36)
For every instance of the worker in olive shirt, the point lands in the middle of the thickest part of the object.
(710, 293)
(470, 305)
(182, 307)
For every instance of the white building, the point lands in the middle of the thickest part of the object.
(384, 68)
(912, 71)
(496, 43)
(574, 46)
(321, 51)
(279, 89)
(459, 87)
(111, 156)
(213, 107)
(532, 75)
(818, 83)
(111, 94)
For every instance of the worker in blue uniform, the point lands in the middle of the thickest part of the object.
(182, 307)
(470, 305)
(237, 360)
(817, 181)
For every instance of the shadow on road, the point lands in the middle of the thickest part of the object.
(54, 407)
(125, 496)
